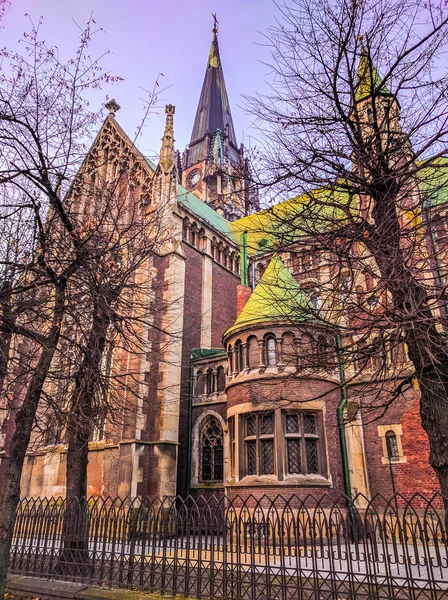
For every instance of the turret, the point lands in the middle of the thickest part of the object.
(165, 176)
(376, 111)
(282, 380)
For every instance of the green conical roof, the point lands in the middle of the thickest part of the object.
(277, 297)
(368, 79)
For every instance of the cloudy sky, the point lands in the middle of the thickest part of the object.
(148, 37)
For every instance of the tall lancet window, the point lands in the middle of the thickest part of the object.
(211, 457)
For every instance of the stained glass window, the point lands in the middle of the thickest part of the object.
(211, 467)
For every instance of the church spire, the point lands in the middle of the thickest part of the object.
(368, 83)
(213, 112)
(213, 167)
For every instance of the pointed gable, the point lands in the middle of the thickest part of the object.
(277, 297)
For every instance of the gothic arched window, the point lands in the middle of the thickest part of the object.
(209, 387)
(221, 379)
(211, 455)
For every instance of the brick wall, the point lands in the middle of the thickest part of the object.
(223, 302)
(191, 339)
(152, 403)
(414, 475)
(297, 392)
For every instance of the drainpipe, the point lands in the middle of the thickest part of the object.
(244, 273)
(340, 414)
(356, 526)
(190, 416)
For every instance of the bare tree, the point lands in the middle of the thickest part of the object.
(44, 124)
(80, 231)
(364, 156)
(110, 309)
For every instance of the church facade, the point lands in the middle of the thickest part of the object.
(229, 401)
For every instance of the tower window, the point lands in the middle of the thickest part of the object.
(391, 439)
(211, 464)
(221, 379)
(271, 359)
(238, 359)
(209, 387)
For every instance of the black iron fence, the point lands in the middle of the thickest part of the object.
(241, 548)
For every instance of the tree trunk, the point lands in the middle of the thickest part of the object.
(5, 338)
(5, 348)
(10, 492)
(74, 558)
(427, 348)
(433, 383)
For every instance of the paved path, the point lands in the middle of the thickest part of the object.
(36, 587)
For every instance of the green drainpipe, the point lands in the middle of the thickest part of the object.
(190, 416)
(356, 526)
(340, 413)
(244, 273)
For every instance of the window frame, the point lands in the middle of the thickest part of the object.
(302, 436)
(270, 352)
(260, 439)
(393, 453)
(398, 431)
(239, 438)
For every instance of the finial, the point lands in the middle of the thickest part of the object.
(215, 24)
(112, 106)
(170, 109)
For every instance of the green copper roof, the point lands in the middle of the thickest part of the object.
(434, 181)
(277, 297)
(201, 353)
(284, 223)
(368, 80)
(205, 212)
(202, 210)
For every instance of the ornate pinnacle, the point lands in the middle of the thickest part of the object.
(112, 106)
(167, 157)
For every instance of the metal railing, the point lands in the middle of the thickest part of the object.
(241, 548)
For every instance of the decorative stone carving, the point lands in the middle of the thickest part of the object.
(112, 106)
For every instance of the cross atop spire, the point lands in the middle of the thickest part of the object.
(215, 24)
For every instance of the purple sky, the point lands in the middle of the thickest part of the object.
(148, 37)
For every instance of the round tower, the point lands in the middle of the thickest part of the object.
(282, 394)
